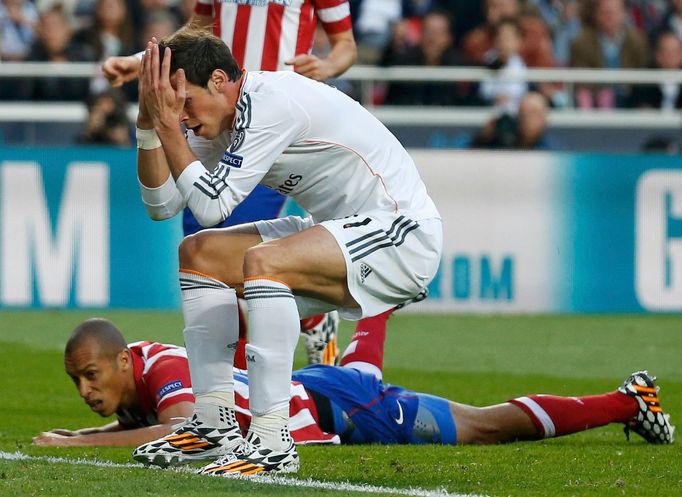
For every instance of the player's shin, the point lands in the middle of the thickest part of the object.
(211, 333)
(273, 334)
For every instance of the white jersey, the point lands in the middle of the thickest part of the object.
(310, 142)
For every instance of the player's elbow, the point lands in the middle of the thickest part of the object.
(209, 213)
(159, 214)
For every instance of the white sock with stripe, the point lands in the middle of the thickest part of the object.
(211, 332)
(273, 333)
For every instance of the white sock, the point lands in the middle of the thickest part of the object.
(211, 333)
(273, 333)
(273, 429)
(213, 414)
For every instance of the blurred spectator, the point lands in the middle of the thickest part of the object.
(107, 122)
(525, 131)
(537, 51)
(563, 20)
(110, 33)
(435, 48)
(468, 14)
(479, 40)
(666, 96)
(405, 36)
(159, 23)
(672, 21)
(536, 41)
(18, 19)
(607, 42)
(373, 27)
(78, 13)
(646, 16)
(507, 88)
(170, 6)
(55, 44)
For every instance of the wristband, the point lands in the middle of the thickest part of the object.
(147, 139)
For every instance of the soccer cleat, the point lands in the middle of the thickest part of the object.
(651, 423)
(320, 338)
(254, 460)
(191, 441)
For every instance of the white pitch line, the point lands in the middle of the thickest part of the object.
(268, 480)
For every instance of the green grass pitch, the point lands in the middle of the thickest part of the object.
(473, 359)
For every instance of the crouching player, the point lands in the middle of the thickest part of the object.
(146, 384)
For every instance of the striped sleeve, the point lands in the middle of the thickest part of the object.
(334, 15)
(166, 376)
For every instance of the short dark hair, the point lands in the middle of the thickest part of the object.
(100, 331)
(199, 53)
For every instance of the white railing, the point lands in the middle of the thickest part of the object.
(369, 76)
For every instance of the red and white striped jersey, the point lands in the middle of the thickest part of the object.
(302, 412)
(264, 34)
(161, 378)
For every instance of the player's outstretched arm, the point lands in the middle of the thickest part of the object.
(115, 434)
(342, 55)
(121, 69)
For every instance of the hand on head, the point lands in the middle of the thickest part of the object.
(160, 101)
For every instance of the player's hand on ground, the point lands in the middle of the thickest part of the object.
(161, 102)
(310, 66)
(48, 439)
(119, 70)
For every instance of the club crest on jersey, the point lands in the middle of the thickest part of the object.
(168, 388)
(238, 140)
(258, 3)
(232, 160)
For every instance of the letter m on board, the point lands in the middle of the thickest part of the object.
(73, 254)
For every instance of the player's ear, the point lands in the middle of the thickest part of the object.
(218, 78)
(125, 360)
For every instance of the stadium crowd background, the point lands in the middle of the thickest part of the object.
(507, 35)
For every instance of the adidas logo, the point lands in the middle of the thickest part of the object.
(365, 271)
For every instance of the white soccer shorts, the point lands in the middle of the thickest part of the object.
(390, 258)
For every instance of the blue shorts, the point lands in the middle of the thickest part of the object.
(364, 410)
(262, 203)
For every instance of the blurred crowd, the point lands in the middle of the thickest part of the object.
(505, 35)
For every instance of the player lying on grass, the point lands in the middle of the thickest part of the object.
(147, 384)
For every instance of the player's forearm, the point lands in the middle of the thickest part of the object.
(160, 196)
(109, 428)
(198, 189)
(121, 438)
(176, 151)
(344, 53)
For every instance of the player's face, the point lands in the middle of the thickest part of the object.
(101, 381)
(206, 111)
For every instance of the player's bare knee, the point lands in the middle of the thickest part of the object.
(486, 432)
(261, 260)
(477, 426)
(189, 250)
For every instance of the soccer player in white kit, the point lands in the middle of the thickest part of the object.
(373, 239)
(278, 35)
